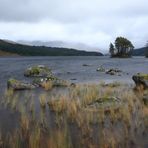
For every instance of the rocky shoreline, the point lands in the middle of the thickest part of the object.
(42, 77)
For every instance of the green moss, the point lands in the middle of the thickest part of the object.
(12, 81)
(144, 76)
(114, 84)
(106, 99)
(35, 70)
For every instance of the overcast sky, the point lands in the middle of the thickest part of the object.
(93, 22)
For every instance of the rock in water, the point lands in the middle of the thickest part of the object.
(86, 65)
(18, 85)
(43, 77)
(107, 103)
(113, 71)
(55, 82)
(141, 80)
(60, 83)
(101, 69)
(38, 71)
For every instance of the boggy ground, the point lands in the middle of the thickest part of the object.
(85, 115)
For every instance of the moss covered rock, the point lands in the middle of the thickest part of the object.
(141, 80)
(105, 103)
(55, 82)
(38, 71)
(43, 77)
(19, 85)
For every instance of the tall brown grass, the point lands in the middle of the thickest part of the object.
(80, 108)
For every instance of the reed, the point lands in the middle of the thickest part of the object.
(43, 101)
(81, 107)
(34, 138)
(47, 85)
(57, 105)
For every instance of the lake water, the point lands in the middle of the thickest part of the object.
(67, 68)
(72, 69)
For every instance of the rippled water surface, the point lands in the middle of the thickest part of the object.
(71, 68)
(76, 70)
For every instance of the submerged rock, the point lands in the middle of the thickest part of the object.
(101, 69)
(141, 80)
(105, 100)
(105, 103)
(73, 79)
(114, 84)
(85, 65)
(19, 85)
(113, 71)
(38, 71)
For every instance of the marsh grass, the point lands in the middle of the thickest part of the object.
(57, 105)
(47, 85)
(34, 138)
(84, 106)
(24, 124)
(60, 139)
(43, 101)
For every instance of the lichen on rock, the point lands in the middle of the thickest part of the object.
(19, 85)
(37, 71)
(141, 80)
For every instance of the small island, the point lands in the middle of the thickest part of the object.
(122, 48)
(146, 50)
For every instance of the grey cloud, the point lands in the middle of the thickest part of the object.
(94, 22)
(69, 10)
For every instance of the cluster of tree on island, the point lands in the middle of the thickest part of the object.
(123, 48)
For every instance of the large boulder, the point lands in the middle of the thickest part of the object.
(141, 80)
(38, 71)
(19, 85)
(43, 77)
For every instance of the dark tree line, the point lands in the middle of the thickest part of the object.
(121, 48)
(26, 50)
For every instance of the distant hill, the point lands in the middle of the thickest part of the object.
(4, 53)
(63, 44)
(140, 51)
(28, 50)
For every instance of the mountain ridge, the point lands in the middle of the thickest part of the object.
(140, 51)
(28, 50)
(61, 44)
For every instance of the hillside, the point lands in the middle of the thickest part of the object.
(59, 44)
(27, 50)
(140, 51)
(4, 53)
